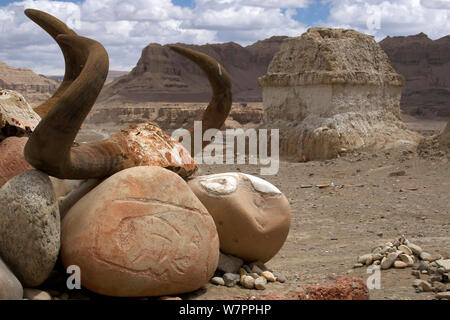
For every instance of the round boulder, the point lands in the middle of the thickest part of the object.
(141, 232)
(12, 161)
(252, 216)
(29, 227)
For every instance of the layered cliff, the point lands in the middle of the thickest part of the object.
(425, 64)
(163, 75)
(33, 87)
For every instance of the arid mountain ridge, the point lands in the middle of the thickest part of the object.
(162, 75)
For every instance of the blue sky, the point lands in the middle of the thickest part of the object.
(125, 27)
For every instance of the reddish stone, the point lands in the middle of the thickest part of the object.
(141, 232)
(147, 145)
(338, 289)
(12, 161)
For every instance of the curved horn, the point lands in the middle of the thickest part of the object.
(220, 105)
(49, 148)
(54, 28)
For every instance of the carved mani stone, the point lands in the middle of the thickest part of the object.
(252, 216)
(141, 232)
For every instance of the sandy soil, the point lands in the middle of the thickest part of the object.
(331, 227)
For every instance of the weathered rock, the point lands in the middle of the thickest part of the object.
(430, 257)
(229, 264)
(10, 287)
(422, 285)
(269, 276)
(443, 295)
(260, 283)
(231, 279)
(17, 118)
(218, 281)
(407, 259)
(400, 265)
(416, 273)
(141, 232)
(422, 266)
(29, 227)
(405, 249)
(12, 161)
(251, 215)
(415, 248)
(362, 259)
(388, 261)
(444, 264)
(280, 278)
(439, 286)
(248, 282)
(34, 294)
(332, 90)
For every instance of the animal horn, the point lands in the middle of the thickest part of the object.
(54, 28)
(49, 148)
(220, 105)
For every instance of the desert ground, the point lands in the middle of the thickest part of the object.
(367, 207)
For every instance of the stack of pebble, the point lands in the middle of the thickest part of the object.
(401, 254)
(232, 271)
(433, 277)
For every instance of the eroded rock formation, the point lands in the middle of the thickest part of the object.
(333, 90)
(34, 87)
(425, 64)
(161, 75)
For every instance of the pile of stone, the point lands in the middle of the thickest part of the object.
(401, 254)
(433, 277)
(232, 271)
(143, 232)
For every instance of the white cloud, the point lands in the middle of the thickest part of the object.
(394, 17)
(125, 27)
(436, 4)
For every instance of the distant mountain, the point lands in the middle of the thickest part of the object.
(112, 75)
(33, 87)
(426, 66)
(163, 75)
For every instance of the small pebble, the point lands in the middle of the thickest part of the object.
(416, 273)
(280, 277)
(34, 294)
(422, 285)
(248, 282)
(254, 275)
(269, 276)
(439, 287)
(218, 281)
(400, 265)
(415, 248)
(405, 249)
(443, 295)
(231, 279)
(260, 283)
